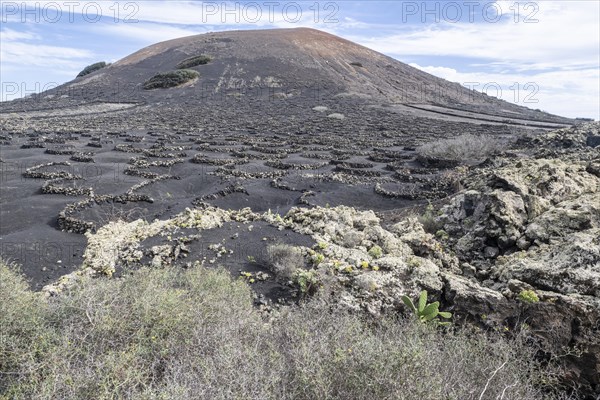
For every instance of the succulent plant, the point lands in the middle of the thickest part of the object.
(427, 312)
(307, 280)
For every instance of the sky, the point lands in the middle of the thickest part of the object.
(543, 54)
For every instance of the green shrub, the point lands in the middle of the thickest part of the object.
(529, 296)
(307, 280)
(442, 235)
(113, 337)
(376, 252)
(317, 259)
(194, 61)
(170, 79)
(92, 68)
(194, 334)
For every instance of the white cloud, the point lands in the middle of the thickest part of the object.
(21, 48)
(231, 13)
(566, 36)
(147, 32)
(10, 35)
(559, 53)
(566, 93)
(29, 65)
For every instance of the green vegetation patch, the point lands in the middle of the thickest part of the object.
(194, 61)
(427, 312)
(529, 296)
(170, 79)
(92, 68)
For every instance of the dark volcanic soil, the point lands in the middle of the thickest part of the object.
(158, 174)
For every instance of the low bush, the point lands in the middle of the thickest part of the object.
(376, 252)
(194, 61)
(170, 79)
(92, 68)
(284, 260)
(459, 150)
(528, 296)
(25, 335)
(194, 334)
(429, 220)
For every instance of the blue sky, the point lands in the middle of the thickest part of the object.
(543, 54)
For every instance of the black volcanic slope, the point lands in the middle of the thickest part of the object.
(276, 119)
(280, 64)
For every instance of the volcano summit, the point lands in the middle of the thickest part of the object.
(302, 66)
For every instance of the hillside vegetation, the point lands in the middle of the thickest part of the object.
(194, 61)
(170, 79)
(92, 68)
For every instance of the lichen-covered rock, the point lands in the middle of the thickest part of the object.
(571, 268)
(562, 325)
(66, 282)
(567, 217)
(511, 207)
(103, 249)
(407, 261)
(330, 223)
(116, 242)
(568, 138)
(531, 229)
(470, 298)
(161, 255)
(551, 179)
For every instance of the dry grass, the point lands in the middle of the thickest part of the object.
(284, 260)
(194, 334)
(460, 150)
